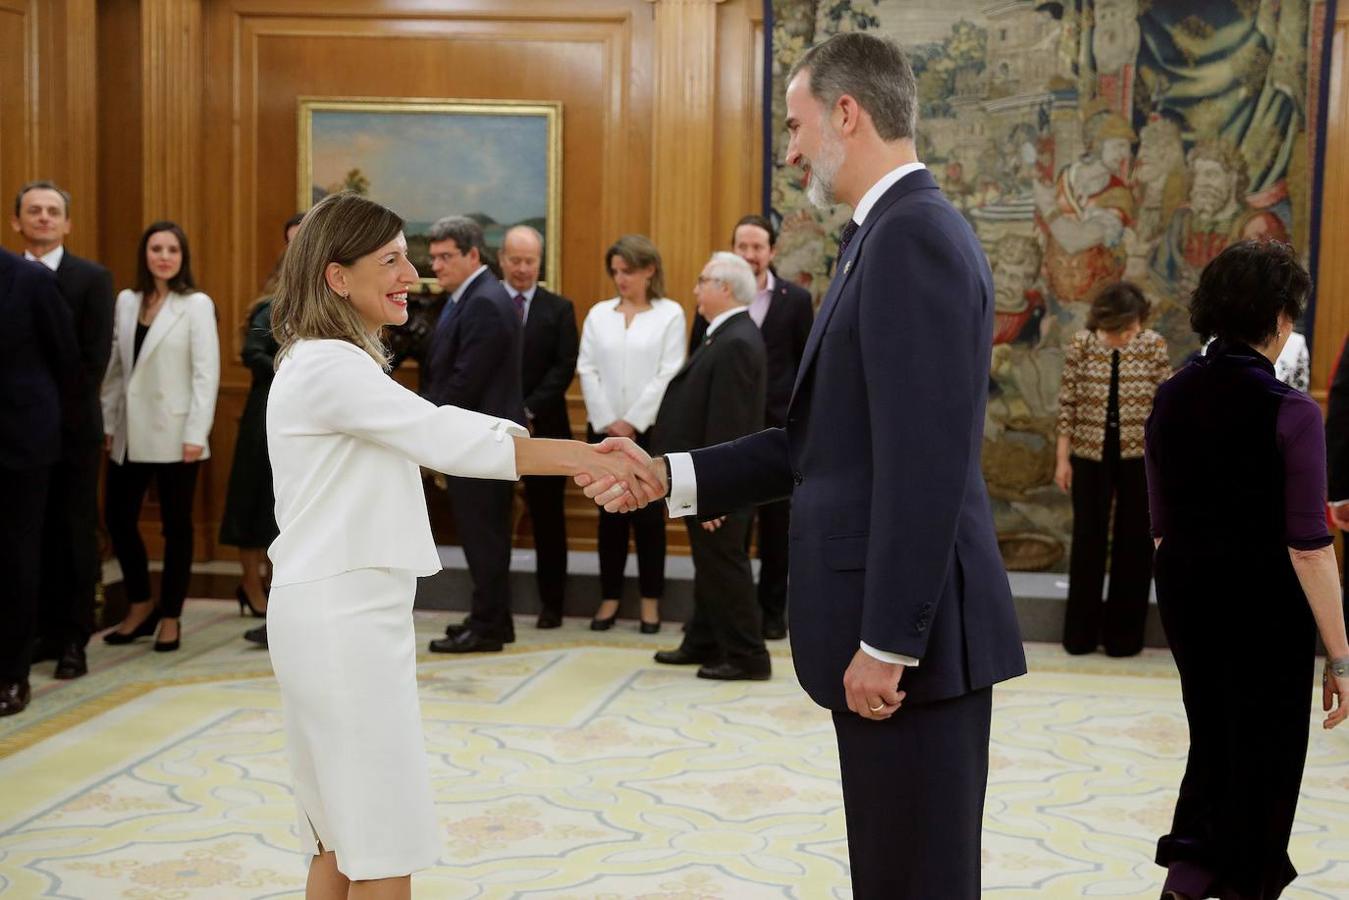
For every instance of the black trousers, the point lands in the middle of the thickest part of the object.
(545, 496)
(70, 564)
(647, 527)
(25, 500)
(775, 520)
(727, 623)
(1119, 622)
(482, 516)
(913, 798)
(176, 485)
(1248, 746)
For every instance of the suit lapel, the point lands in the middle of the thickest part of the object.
(848, 262)
(164, 322)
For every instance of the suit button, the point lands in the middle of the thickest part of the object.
(797, 478)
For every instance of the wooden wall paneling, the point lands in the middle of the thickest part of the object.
(16, 91)
(1332, 293)
(120, 126)
(738, 170)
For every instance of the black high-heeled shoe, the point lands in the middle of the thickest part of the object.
(246, 602)
(169, 646)
(650, 627)
(598, 624)
(144, 629)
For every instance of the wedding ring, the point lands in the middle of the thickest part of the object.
(876, 708)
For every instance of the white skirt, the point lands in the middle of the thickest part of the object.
(345, 656)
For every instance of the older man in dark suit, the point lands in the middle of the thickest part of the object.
(901, 614)
(784, 314)
(70, 563)
(37, 357)
(474, 363)
(719, 396)
(549, 363)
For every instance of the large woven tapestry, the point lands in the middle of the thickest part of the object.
(1086, 141)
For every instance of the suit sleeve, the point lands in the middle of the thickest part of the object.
(749, 471)
(94, 326)
(111, 394)
(1337, 429)
(643, 411)
(349, 394)
(735, 402)
(599, 411)
(925, 357)
(553, 385)
(485, 343)
(56, 330)
(205, 352)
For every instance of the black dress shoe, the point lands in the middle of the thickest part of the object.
(72, 663)
(681, 657)
(728, 671)
(144, 629)
(453, 631)
(774, 628)
(466, 642)
(257, 635)
(14, 697)
(549, 619)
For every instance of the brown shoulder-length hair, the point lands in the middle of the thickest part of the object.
(181, 283)
(1117, 306)
(638, 252)
(341, 228)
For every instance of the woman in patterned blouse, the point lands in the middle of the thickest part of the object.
(1110, 374)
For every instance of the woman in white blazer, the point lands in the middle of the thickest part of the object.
(631, 346)
(345, 442)
(158, 405)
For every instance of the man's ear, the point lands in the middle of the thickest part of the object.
(849, 113)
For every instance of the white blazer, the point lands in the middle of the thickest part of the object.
(624, 368)
(167, 397)
(345, 441)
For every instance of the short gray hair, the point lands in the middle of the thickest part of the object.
(736, 274)
(871, 70)
(465, 232)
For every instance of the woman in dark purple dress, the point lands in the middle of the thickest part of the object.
(1246, 577)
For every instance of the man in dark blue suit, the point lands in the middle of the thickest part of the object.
(901, 615)
(38, 364)
(474, 363)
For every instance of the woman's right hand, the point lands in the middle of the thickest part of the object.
(1063, 475)
(1334, 694)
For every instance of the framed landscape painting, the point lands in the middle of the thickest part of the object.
(496, 161)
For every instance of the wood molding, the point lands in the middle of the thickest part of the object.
(171, 85)
(1332, 310)
(683, 139)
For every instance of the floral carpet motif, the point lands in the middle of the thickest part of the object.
(573, 767)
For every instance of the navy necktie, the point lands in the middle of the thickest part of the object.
(846, 236)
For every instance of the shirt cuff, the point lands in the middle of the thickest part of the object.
(887, 656)
(1336, 504)
(683, 499)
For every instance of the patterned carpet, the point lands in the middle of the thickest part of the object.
(574, 767)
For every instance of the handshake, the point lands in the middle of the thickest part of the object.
(619, 475)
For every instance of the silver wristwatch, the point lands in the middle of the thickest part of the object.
(1338, 667)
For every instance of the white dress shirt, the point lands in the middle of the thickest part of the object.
(528, 295)
(683, 499)
(345, 441)
(625, 367)
(51, 259)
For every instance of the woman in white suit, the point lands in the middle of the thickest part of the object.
(158, 405)
(345, 442)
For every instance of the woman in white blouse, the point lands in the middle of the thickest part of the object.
(345, 442)
(159, 398)
(631, 346)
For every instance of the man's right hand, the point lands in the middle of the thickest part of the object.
(608, 493)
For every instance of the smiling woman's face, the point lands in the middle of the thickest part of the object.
(377, 284)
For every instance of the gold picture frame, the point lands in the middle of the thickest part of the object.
(499, 161)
